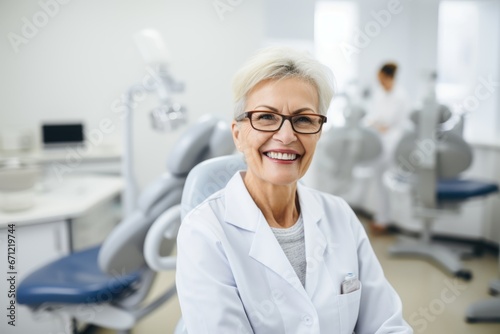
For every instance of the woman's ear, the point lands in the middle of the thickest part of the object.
(235, 129)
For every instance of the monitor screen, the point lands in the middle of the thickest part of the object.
(62, 133)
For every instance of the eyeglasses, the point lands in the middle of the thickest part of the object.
(270, 121)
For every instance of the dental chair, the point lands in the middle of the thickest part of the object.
(431, 160)
(205, 179)
(342, 149)
(106, 285)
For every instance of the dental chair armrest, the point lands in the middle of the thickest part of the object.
(165, 227)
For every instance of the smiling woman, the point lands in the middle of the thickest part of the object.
(266, 254)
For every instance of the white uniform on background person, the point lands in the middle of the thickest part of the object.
(388, 113)
(390, 110)
(227, 243)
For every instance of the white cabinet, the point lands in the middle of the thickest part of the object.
(36, 245)
(43, 234)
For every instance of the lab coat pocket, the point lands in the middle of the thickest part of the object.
(349, 310)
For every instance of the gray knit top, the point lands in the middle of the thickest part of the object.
(292, 242)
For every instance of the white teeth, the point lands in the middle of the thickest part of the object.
(281, 156)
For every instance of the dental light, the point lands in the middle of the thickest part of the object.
(167, 116)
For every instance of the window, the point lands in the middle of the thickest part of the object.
(334, 23)
(468, 41)
(457, 49)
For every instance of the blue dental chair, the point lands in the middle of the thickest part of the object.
(106, 285)
(431, 158)
(205, 179)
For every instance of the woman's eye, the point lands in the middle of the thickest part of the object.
(303, 120)
(266, 117)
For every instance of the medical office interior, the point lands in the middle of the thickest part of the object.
(107, 106)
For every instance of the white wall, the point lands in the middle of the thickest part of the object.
(290, 23)
(483, 122)
(290, 19)
(84, 58)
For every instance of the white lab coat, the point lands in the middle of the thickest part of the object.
(233, 277)
(391, 110)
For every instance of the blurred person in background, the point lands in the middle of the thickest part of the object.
(388, 112)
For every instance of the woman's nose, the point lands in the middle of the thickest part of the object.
(286, 134)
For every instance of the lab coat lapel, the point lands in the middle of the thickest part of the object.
(241, 210)
(266, 250)
(315, 241)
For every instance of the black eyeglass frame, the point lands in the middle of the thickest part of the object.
(248, 114)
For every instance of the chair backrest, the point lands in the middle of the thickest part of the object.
(430, 153)
(207, 178)
(453, 153)
(122, 251)
(209, 138)
(342, 149)
(350, 146)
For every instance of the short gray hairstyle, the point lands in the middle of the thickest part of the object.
(278, 63)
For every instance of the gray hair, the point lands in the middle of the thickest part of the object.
(281, 63)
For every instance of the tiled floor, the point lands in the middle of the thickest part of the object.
(419, 284)
(422, 286)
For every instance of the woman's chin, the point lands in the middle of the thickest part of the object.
(283, 179)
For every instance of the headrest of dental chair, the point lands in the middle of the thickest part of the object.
(358, 144)
(192, 146)
(444, 114)
(353, 115)
(453, 154)
(207, 178)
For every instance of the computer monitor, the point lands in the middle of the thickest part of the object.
(62, 134)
